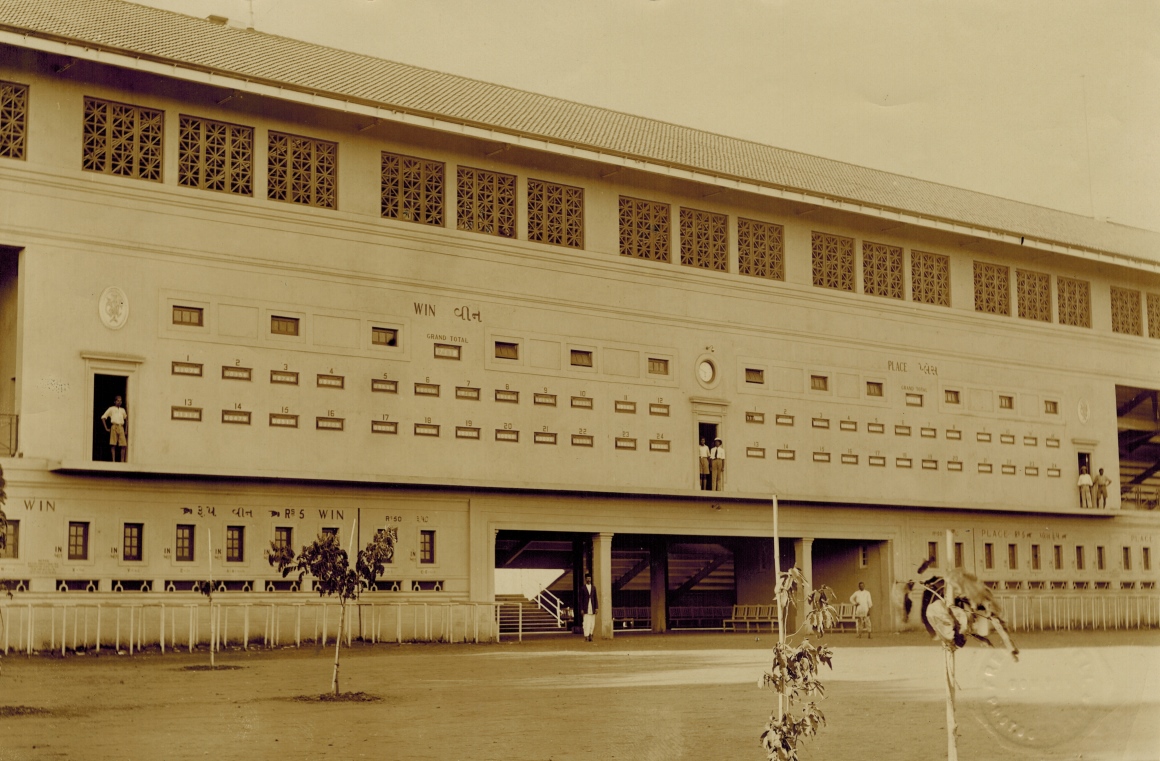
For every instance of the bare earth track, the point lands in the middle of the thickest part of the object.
(693, 696)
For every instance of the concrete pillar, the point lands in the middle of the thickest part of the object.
(658, 566)
(803, 551)
(579, 550)
(602, 580)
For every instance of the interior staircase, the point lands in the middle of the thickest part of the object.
(536, 620)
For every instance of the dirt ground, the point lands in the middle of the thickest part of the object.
(1090, 696)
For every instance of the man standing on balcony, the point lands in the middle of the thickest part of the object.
(588, 606)
(1101, 483)
(114, 421)
(717, 462)
(1085, 487)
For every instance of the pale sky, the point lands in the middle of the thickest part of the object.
(1054, 102)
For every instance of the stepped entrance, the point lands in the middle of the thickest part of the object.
(657, 583)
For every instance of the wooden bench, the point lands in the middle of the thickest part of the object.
(633, 617)
(845, 617)
(752, 615)
(698, 615)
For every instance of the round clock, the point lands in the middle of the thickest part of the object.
(706, 371)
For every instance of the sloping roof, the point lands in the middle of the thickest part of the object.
(150, 33)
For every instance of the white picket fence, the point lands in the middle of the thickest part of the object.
(128, 627)
(1067, 612)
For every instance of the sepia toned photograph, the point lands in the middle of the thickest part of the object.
(544, 381)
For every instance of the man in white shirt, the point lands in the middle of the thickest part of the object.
(717, 465)
(705, 476)
(1085, 487)
(114, 421)
(862, 605)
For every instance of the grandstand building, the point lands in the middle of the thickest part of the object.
(337, 293)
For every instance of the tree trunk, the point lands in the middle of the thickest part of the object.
(952, 726)
(338, 643)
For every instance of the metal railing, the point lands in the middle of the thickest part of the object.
(9, 434)
(552, 605)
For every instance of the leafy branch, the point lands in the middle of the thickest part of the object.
(794, 673)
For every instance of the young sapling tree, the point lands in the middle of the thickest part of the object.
(328, 564)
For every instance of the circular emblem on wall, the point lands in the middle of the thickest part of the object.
(1084, 410)
(114, 307)
(707, 373)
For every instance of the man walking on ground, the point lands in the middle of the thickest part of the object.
(862, 605)
(588, 606)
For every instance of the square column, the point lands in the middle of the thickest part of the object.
(602, 580)
(658, 563)
(803, 551)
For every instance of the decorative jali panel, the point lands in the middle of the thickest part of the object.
(1126, 317)
(833, 257)
(1075, 302)
(760, 249)
(215, 155)
(486, 202)
(704, 240)
(412, 189)
(1154, 315)
(992, 288)
(555, 213)
(123, 140)
(882, 270)
(302, 170)
(1034, 291)
(13, 119)
(644, 229)
(930, 278)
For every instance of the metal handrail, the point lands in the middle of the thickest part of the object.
(552, 605)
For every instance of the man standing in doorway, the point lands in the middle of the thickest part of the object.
(1101, 483)
(862, 605)
(588, 606)
(1085, 487)
(704, 465)
(114, 420)
(717, 465)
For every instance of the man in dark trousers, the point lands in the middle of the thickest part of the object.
(588, 606)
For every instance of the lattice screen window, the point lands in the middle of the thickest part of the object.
(302, 170)
(930, 278)
(412, 189)
(1075, 302)
(833, 261)
(992, 288)
(486, 202)
(13, 120)
(1034, 289)
(215, 155)
(123, 140)
(555, 213)
(704, 240)
(1154, 315)
(644, 229)
(1126, 317)
(881, 270)
(760, 249)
